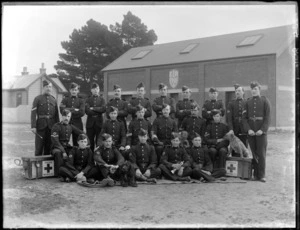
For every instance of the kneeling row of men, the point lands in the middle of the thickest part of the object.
(104, 165)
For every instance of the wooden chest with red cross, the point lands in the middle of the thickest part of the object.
(239, 167)
(38, 167)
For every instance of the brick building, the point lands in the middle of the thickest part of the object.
(265, 55)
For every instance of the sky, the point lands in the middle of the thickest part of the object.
(32, 34)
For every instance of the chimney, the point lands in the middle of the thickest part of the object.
(24, 71)
(42, 70)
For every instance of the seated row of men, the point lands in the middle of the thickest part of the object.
(151, 157)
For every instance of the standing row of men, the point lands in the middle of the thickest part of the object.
(247, 119)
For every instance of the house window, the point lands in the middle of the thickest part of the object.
(250, 41)
(189, 48)
(141, 54)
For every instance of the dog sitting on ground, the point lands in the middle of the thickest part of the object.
(127, 175)
(236, 145)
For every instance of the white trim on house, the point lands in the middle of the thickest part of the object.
(286, 88)
(228, 89)
(193, 90)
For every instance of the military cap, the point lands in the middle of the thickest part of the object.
(140, 85)
(164, 105)
(215, 112)
(174, 135)
(236, 86)
(74, 85)
(46, 82)
(212, 90)
(184, 88)
(112, 109)
(194, 135)
(194, 105)
(161, 85)
(82, 137)
(142, 132)
(94, 85)
(65, 112)
(139, 108)
(254, 84)
(117, 87)
(105, 136)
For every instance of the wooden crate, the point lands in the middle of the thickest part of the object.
(239, 167)
(39, 166)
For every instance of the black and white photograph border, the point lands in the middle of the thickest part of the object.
(202, 46)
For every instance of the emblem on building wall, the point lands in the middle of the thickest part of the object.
(173, 77)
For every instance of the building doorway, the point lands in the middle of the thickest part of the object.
(229, 96)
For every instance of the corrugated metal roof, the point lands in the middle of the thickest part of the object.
(59, 84)
(208, 48)
(24, 81)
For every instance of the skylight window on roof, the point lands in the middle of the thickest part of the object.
(141, 54)
(189, 48)
(250, 41)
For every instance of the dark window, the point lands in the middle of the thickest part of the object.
(19, 99)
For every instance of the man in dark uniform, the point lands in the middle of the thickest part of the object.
(140, 100)
(77, 107)
(163, 99)
(80, 163)
(212, 104)
(217, 145)
(234, 115)
(94, 108)
(193, 123)
(60, 136)
(256, 120)
(175, 162)
(144, 159)
(136, 125)
(44, 114)
(119, 103)
(183, 107)
(162, 129)
(114, 128)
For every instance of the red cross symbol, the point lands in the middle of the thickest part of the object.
(48, 168)
(231, 168)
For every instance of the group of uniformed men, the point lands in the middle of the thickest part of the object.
(152, 149)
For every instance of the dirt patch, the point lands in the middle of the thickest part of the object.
(52, 204)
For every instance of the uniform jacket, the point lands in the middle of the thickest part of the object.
(200, 159)
(134, 127)
(60, 135)
(44, 105)
(216, 131)
(184, 105)
(94, 117)
(143, 156)
(193, 124)
(108, 156)
(122, 106)
(139, 101)
(256, 115)
(159, 101)
(116, 129)
(234, 115)
(72, 103)
(80, 160)
(210, 105)
(173, 155)
(163, 128)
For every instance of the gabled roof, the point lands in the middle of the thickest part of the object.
(209, 48)
(59, 84)
(24, 81)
